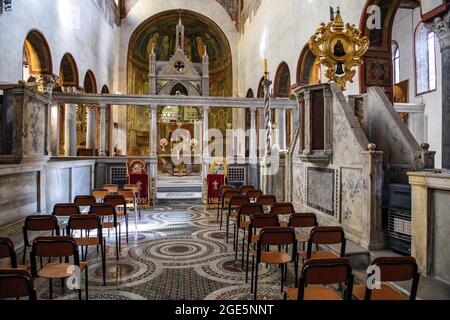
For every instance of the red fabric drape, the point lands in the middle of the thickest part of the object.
(215, 181)
(142, 181)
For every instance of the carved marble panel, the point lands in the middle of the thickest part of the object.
(321, 189)
(353, 187)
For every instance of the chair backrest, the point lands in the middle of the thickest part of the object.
(54, 247)
(117, 200)
(133, 187)
(244, 189)
(397, 269)
(127, 194)
(65, 209)
(263, 220)
(326, 235)
(266, 200)
(85, 222)
(282, 208)
(16, 283)
(104, 210)
(249, 209)
(274, 236)
(224, 188)
(112, 188)
(7, 251)
(326, 272)
(228, 194)
(303, 220)
(236, 201)
(99, 194)
(85, 201)
(254, 194)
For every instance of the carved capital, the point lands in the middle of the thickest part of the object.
(441, 26)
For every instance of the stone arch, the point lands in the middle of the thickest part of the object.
(68, 72)
(260, 92)
(89, 83)
(105, 89)
(250, 93)
(308, 68)
(37, 58)
(282, 83)
(377, 68)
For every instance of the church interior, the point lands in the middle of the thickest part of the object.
(224, 150)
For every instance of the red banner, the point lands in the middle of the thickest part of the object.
(215, 181)
(142, 181)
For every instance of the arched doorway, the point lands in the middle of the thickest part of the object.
(159, 32)
(282, 89)
(377, 69)
(36, 59)
(309, 69)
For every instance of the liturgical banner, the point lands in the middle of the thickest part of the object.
(142, 181)
(215, 181)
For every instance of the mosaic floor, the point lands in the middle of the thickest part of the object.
(175, 253)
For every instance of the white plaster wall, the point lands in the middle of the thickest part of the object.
(145, 9)
(288, 25)
(405, 24)
(73, 26)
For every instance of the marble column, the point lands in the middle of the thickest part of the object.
(102, 146)
(280, 115)
(70, 130)
(253, 144)
(441, 26)
(205, 132)
(91, 132)
(153, 131)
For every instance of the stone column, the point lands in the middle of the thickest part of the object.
(205, 132)
(253, 144)
(281, 128)
(102, 147)
(91, 132)
(441, 26)
(70, 130)
(153, 131)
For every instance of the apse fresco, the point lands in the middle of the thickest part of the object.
(159, 31)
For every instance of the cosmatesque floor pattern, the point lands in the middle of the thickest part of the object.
(174, 253)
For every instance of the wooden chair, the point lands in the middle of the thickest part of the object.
(317, 274)
(266, 200)
(245, 211)
(15, 284)
(112, 188)
(7, 251)
(244, 189)
(254, 194)
(137, 194)
(100, 195)
(121, 208)
(324, 236)
(226, 196)
(88, 223)
(301, 221)
(85, 201)
(38, 224)
(233, 205)
(220, 204)
(274, 236)
(392, 269)
(258, 221)
(131, 201)
(108, 210)
(57, 247)
(282, 208)
(63, 211)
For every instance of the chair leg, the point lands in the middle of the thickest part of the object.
(126, 226)
(120, 238)
(221, 218)
(234, 238)
(79, 295)
(256, 281)
(62, 285)
(228, 226)
(242, 255)
(104, 262)
(246, 268)
(282, 276)
(117, 247)
(253, 274)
